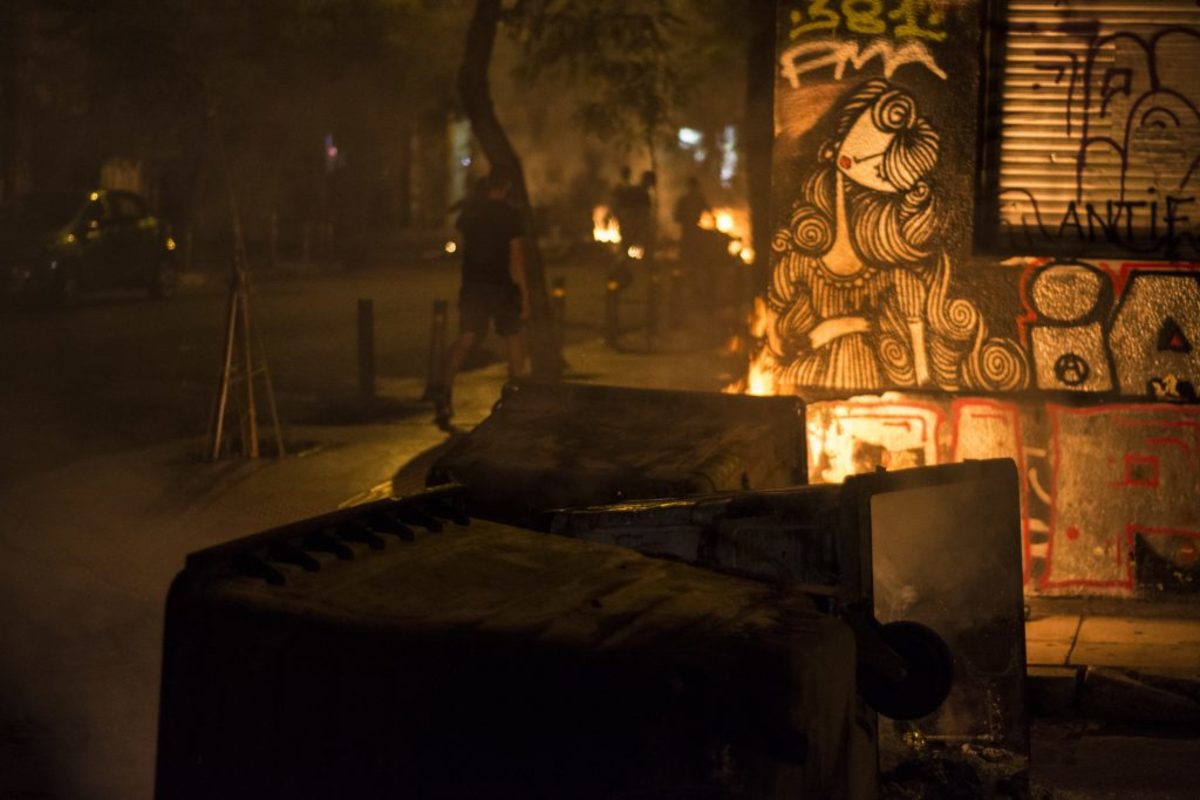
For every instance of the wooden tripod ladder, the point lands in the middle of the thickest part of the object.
(243, 358)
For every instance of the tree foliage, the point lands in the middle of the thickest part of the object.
(619, 55)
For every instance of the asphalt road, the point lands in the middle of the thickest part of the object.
(120, 371)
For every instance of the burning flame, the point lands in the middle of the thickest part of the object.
(760, 378)
(735, 224)
(604, 226)
(726, 220)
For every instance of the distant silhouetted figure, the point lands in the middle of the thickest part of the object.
(477, 191)
(637, 228)
(690, 209)
(493, 285)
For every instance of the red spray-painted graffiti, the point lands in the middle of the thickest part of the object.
(1096, 479)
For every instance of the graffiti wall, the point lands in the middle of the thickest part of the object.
(1081, 368)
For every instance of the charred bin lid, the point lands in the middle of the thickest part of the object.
(559, 445)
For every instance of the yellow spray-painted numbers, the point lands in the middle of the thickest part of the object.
(864, 16)
(912, 19)
(908, 14)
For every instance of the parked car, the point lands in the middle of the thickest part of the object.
(56, 246)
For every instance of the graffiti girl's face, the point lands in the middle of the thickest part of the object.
(860, 156)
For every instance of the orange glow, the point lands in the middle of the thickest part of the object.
(605, 227)
(862, 434)
(760, 318)
(731, 221)
(760, 378)
(734, 223)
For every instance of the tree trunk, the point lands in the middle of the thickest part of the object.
(759, 132)
(475, 93)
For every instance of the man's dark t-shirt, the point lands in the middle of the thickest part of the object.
(488, 227)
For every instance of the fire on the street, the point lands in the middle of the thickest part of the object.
(760, 372)
(605, 227)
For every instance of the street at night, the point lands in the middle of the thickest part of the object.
(623, 400)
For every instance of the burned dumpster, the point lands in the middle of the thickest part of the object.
(402, 649)
(669, 473)
(637, 603)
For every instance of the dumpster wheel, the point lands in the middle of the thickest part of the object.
(929, 669)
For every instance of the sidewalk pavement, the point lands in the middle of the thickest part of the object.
(1120, 661)
(1165, 644)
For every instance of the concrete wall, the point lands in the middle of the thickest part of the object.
(1081, 366)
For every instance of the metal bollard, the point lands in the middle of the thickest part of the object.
(558, 306)
(612, 314)
(366, 351)
(437, 346)
(653, 300)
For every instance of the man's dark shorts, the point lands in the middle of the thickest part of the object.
(477, 304)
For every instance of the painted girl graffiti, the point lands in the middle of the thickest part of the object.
(861, 284)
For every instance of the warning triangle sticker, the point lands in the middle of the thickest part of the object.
(1171, 338)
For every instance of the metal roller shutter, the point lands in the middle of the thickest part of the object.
(1096, 127)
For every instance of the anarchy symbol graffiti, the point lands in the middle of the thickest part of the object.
(1071, 369)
